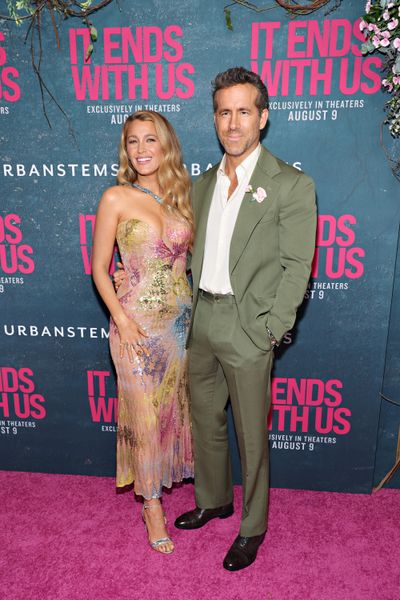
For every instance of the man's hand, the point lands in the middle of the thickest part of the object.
(119, 275)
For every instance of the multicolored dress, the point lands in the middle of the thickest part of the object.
(154, 447)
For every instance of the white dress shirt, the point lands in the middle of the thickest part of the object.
(221, 223)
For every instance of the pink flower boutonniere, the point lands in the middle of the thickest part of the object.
(258, 196)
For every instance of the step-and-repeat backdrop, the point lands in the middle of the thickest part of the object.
(58, 403)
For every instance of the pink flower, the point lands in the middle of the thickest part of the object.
(373, 27)
(387, 84)
(396, 43)
(396, 79)
(376, 41)
(385, 38)
(384, 41)
(368, 6)
(260, 194)
(393, 24)
(363, 25)
(386, 15)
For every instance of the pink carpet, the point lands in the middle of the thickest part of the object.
(66, 537)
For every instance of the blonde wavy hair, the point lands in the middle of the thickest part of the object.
(174, 180)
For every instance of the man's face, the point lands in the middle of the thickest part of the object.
(238, 121)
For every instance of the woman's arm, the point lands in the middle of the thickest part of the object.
(103, 245)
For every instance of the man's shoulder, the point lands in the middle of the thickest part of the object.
(206, 176)
(279, 167)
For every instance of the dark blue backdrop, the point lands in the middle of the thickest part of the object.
(57, 407)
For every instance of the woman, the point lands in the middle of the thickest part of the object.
(149, 215)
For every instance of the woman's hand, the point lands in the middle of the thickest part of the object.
(119, 276)
(131, 337)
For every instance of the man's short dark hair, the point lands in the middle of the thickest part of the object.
(240, 75)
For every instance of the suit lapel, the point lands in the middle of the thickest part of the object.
(205, 194)
(249, 215)
(252, 211)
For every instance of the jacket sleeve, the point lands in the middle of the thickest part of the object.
(297, 227)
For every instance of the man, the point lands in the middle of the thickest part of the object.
(255, 234)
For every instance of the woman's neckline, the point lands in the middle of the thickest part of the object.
(148, 191)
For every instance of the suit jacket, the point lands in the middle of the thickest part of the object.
(271, 250)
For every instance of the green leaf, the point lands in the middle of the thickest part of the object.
(93, 34)
(228, 19)
(366, 48)
(89, 52)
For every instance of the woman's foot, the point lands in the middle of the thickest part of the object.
(155, 521)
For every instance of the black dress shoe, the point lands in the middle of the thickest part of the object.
(200, 516)
(243, 552)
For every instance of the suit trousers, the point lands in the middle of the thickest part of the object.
(223, 363)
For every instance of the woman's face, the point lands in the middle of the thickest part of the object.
(143, 147)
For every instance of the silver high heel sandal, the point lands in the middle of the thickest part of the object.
(157, 543)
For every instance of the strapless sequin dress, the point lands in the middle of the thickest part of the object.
(154, 447)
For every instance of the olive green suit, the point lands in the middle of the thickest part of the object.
(229, 349)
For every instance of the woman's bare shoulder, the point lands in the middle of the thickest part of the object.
(113, 197)
(114, 194)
